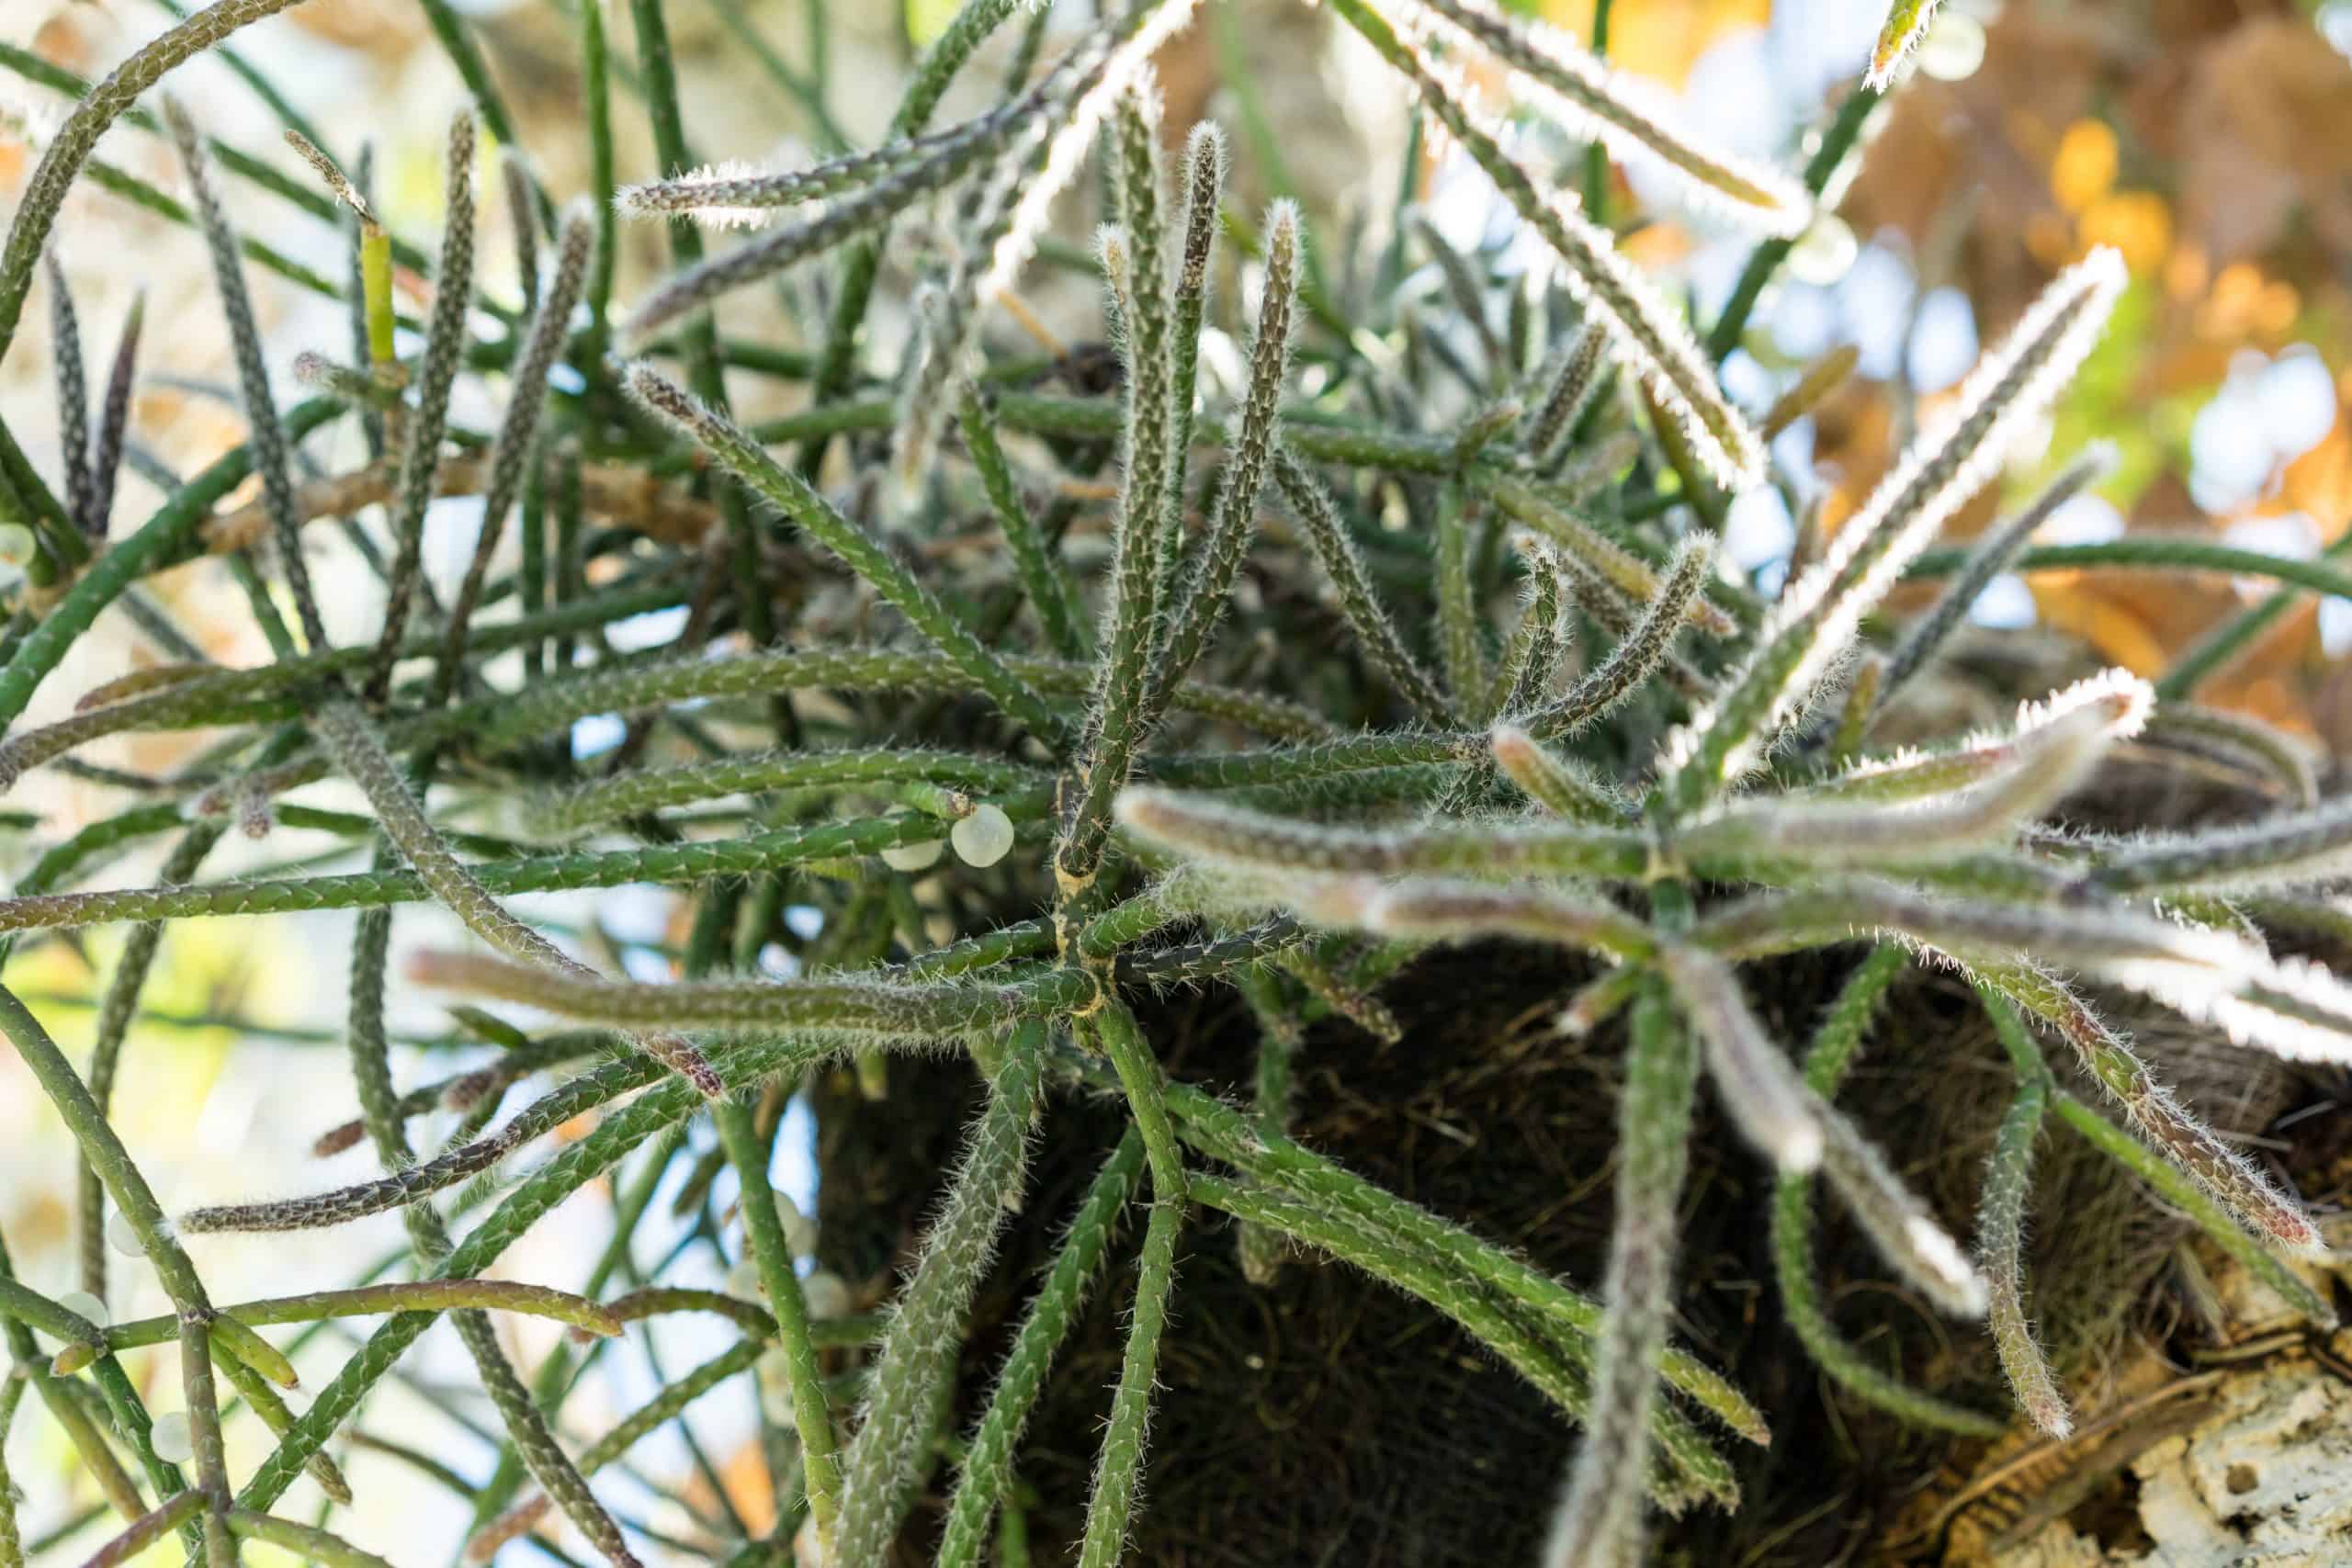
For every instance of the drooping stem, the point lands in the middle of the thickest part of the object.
(115, 1016)
(428, 1239)
(2000, 1242)
(1119, 1467)
(982, 1483)
(929, 1322)
(1598, 1520)
(822, 1465)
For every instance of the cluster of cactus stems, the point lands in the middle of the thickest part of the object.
(1603, 739)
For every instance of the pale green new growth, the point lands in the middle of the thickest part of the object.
(1552, 781)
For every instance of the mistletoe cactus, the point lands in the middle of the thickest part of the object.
(942, 603)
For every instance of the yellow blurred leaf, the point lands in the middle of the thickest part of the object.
(2135, 223)
(2120, 634)
(1661, 39)
(2083, 168)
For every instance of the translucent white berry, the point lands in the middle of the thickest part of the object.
(799, 1239)
(984, 837)
(1953, 47)
(82, 1305)
(913, 857)
(18, 546)
(122, 1238)
(775, 1391)
(799, 1230)
(1825, 253)
(826, 1294)
(173, 1444)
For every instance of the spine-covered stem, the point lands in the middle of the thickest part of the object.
(1121, 707)
(822, 1465)
(1599, 1520)
(360, 752)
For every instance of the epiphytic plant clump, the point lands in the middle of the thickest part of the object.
(1269, 744)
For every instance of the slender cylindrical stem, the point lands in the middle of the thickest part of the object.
(822, 1471)
(800, 500)
(1343, 563)
(982, 1483)
(1042, 576)
(374, 1301)
(1612, 290)
(305, 1541)
(359, 749)
(425, 425)
(145, 1531)
(1232, 522)
(1600, 1517)
(929, 1321)
(512, 456)
(266, 439)
(44, 192)
(2001, 1245)
(1120, 713)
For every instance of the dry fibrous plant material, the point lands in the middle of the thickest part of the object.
(990, 801)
